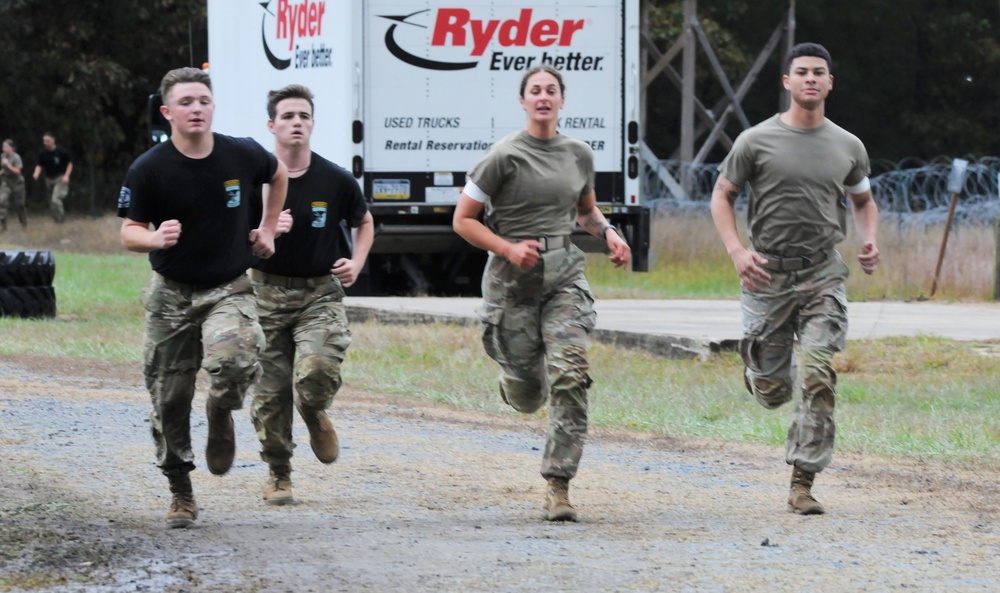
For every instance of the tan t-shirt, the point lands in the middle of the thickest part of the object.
(533, 184)
(14, 160)
(797, 180)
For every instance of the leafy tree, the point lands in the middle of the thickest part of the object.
(83, 71)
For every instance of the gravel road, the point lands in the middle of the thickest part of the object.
(426, 498)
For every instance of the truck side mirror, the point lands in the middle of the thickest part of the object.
(159, 127)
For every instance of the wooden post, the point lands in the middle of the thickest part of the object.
(996, 259)
(944, 242)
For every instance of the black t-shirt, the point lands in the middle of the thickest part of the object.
(319, 199)
(54, 162)
(211, 197)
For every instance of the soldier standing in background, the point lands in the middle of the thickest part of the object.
(11, 185)
(57, 164)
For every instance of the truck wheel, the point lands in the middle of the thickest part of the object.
(28, 301)
(26, 268)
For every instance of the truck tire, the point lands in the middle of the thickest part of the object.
(28, 301)
(26, 268)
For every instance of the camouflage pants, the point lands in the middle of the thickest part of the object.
(57, 191)
(810, 305)
(12, 194)
(307, 338)
(537, 325)
(187, 328)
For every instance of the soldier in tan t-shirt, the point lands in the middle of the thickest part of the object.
(11, 185)
(799, 165)
(535, 186)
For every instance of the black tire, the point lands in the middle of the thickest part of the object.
(28, 301)
(26, 268)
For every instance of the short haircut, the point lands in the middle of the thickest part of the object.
(543, 68)
(292, 91)
(812, 50)
(50, 135)
(11, 142)
(179, 75)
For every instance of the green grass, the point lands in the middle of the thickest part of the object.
(914, 397)
(99, 315)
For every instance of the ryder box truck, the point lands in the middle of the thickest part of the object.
(410, 94)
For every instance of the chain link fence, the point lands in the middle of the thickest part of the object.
(913, 190)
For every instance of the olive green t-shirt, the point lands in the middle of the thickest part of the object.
(797, 180)
(534, 184)
(14, 160)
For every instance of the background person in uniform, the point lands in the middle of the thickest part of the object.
(195, 191)
(300, 294)
(55, 161)
(799, 166)
(11, 185)
(535, 186)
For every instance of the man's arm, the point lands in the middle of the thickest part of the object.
(273, 201)
(866, 221)
(747, 263)
(38, 171)
(69, 171)
(593, 221)
(347, 270)
(138, 237)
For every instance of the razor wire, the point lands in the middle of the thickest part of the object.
(913, 190)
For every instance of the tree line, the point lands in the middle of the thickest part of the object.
(913, 78)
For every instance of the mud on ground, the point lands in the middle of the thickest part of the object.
(426, 498)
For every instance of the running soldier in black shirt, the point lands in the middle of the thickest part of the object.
(187, 203)
(300, 294)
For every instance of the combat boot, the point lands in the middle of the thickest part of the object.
(183, 509)
(557, 504)
(221, 447)
(800, 499)
(322, 436)
(278, 490)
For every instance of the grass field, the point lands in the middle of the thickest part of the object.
(923, 397)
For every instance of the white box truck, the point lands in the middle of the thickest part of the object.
(411, 93)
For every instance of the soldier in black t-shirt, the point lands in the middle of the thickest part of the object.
(300, 293)
(187, 203)
(57, 164)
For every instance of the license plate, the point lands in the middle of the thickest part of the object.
(391, 189)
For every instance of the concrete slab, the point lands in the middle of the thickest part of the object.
(693, 327)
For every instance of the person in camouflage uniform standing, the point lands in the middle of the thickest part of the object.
(187, 203)
(799, 165)
(11, 185)
(537, 312)
(300, 294)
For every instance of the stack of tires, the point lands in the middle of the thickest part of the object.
(26, 284)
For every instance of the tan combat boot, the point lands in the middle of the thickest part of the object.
(221, 447)
(322, 436)
(183, 509)
(278, 490)
(800, 498)
(557, 501)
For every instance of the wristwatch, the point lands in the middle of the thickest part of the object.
(610, 227)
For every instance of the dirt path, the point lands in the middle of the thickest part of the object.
(425, 498)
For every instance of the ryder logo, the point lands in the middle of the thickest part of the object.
(456, 28)
(286, 27)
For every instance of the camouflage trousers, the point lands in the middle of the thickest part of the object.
(810, 305)
(12, 195)
(188, 328)
(307, 338)
(57, 192)
(537, 325)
